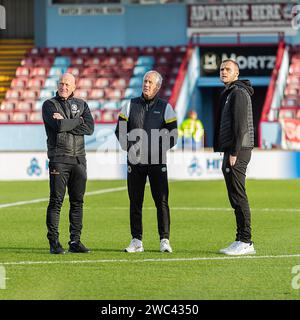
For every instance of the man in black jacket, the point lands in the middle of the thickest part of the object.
(67, 120)
(146, 129)
(234, 135)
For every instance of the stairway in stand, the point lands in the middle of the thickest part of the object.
(12, 51)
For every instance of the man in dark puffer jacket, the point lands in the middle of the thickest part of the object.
(67, 120)
(234, 135)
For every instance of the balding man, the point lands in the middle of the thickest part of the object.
(147, 128)
(234, 135)
(67, 119)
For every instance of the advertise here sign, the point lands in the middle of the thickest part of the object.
(257, 17)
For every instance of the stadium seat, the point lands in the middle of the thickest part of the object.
(119, 83)
(75, 71)
(286, 114)
(66, 51)
(38, 105)
(44, 62)
(23, 71)
(46, 94)
(35, 117)
(96, 115)
(99, 51)
(36, 82)
(82, 94)
(19, 117)
(62, 61)
(51, 83)
(113, 94)
(77, 61)
(82, 51)
(96, 94)
(13, 94)
(26, 105)
(111, 105)
(89, 72)
(30, 94)
(39, 71)
(145, 60)
(101, 83)
(136, 82)
(48, 51)
(8, 105)
(116, 50)
(148, 50)
(85, 83)
(4, 117)
(94, 104)
(19, 82)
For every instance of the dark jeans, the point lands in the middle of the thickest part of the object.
(73, 177)
(136, 180)
(235, 178)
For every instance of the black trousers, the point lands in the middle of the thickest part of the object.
(136, 180)
(235, 178)
(73, 177)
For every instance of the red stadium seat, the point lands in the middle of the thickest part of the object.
(148, 50)
(67, 51)
(96, 94)
(89, 72)
(77, 61)
(116, 50)
(23, 71)
(114, 94)
(119, 83)
(47, 51)
(35, 117)
(4, 117)
(82, 51)
(13, 94)
(82, 93)
(19, 82)
(99, 51)
(39, 71)
(36, 82)
(101, 83)
(76, 71)
(85, 83)
(25, 105)
(19, 117)
(8, 105)
(30, 94)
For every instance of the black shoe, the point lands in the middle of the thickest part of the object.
(56, 248)
(77, 247)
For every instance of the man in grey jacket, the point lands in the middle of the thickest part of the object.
(234, 135)
(67, 120)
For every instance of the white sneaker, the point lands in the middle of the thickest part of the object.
(135, 245)
(241, 248)
(165, 245)
(232, 246)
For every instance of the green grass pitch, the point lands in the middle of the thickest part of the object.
(201, 223)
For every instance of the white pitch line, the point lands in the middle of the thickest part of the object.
(91, 193)
(252, 257)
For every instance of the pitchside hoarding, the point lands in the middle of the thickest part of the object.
(181, 165)
(241, 17)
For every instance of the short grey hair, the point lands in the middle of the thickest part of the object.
(158, 77)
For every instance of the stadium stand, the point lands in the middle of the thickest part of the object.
(106, 78)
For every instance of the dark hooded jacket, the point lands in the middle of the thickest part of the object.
(234, 128)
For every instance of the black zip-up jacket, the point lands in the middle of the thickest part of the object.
(146, 129)
(65, 137)
(234, 128)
